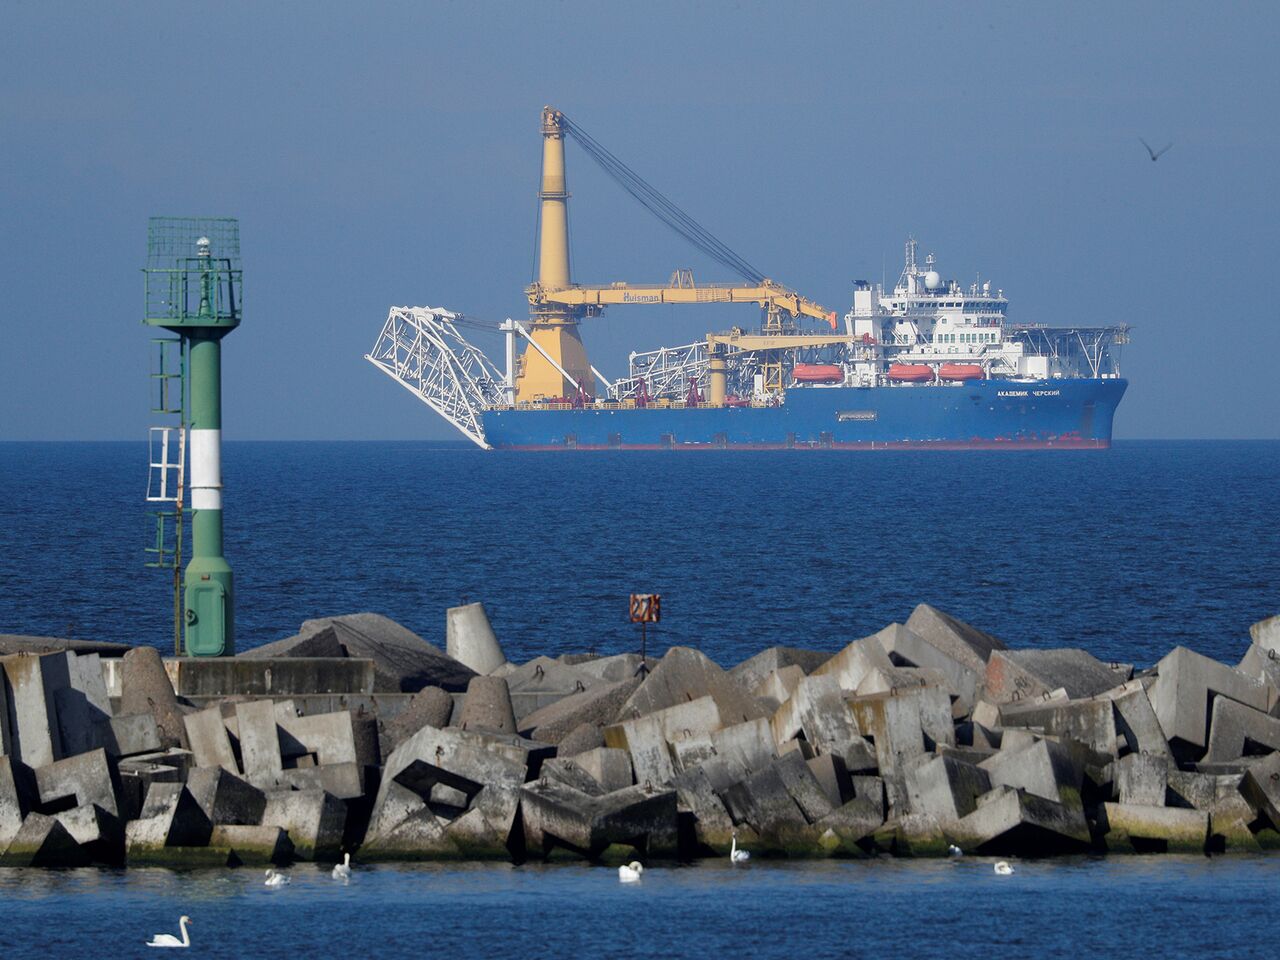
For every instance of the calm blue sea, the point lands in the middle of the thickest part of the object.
(1122, 907)
(1127, 552)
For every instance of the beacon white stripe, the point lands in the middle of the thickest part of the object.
(206, 469)
(206, 499)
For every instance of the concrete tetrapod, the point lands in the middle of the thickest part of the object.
(470, 638)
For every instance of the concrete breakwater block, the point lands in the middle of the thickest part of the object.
(558, 816)
(753, 670)
(1014, 675)
(469, 638)
(598, 706)
(1187, 684)
(145, 687)
(429, 707)
(31, 686)
(487, 707)
(955, 638)
(240, 676)
(685, 674)
(315, 821)
(403, 662)
(899, 743)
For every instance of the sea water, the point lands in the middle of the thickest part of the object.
(1127, 552)
(1143, 907)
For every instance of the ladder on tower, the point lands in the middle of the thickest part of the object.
(166, 468)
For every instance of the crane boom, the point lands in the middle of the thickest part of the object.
(559, 366)
(767, 294)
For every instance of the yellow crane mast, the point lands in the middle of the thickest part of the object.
(556, 304)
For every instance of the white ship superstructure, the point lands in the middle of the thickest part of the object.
(931, 322)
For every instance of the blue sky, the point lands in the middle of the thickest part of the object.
(388, 154)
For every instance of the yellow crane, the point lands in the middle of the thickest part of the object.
(556, 304)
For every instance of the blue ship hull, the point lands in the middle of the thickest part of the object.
(994, 414)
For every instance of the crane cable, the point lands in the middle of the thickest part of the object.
(660, 206)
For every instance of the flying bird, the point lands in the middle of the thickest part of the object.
(1156, 154)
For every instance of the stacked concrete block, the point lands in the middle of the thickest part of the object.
(487, 707)
(907, 648)
(1187, 684)
(1042, 768)
(315, 821)
(1089, 721)
(1266, 634)
(1142, 779)
(470, 638)
(32, 684)
(1137, 727)
(402, 661)
(1013, 821)
(1235, 730)
(1144, 828)
(210, 741)
(430, 706)
(921, 736)
(171, 820)
(145, 687)
(556, 816)
(599, 706)
(816, 710)
(946, 788)
(685, 674)
(583, 737)
(226, 799)
(648, 738)
(483, 774)
(1014, 675)
(851, 665)
(778, 685)
(250, 845)
(752, 671)
(42, 841)
(16, 795)
(958, 640)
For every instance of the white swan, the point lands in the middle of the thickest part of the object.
(169, 940)
(276, 879)
(955, 851)
(629, 872)
(1003, 869)
(736, 855)
(342, 871)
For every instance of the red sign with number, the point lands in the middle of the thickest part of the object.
(646, 608)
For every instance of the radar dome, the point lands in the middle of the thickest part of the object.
(932, 280)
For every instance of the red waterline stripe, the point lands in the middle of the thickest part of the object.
(1061, 444)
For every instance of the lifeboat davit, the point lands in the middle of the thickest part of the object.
(816, 373)
(910, 372)
(960, 371)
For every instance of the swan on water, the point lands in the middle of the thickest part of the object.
(630, 871)
(955, 851)
(169, 940)
(736, 855)
(1003, 869)
(342, 871)
(276, 879)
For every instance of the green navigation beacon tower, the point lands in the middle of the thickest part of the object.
(193, 286)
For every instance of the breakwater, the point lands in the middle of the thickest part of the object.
(356, 735)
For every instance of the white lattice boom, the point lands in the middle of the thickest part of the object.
(422, 350)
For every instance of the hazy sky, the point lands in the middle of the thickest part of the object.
(388, 154)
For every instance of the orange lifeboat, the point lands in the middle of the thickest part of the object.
(816, 373)
(910, 372)
(960, 371)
